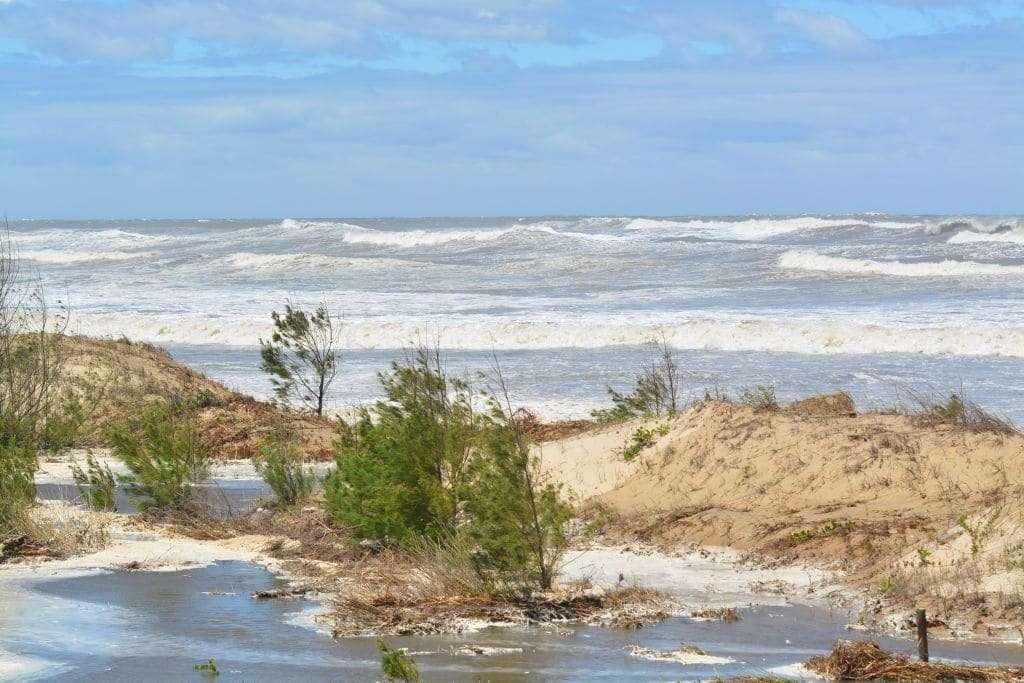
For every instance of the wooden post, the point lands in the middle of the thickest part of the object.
(922, 635)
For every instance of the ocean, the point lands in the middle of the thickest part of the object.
(877, 305)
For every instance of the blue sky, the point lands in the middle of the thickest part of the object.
(118, 108)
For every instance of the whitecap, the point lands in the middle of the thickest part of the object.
(815, 262)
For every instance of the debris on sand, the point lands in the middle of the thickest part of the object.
(686, 654)
(728, 614)
(864, 660)
(280, 594)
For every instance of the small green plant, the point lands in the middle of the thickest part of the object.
(887, 585)
(642, 438)
(95, 484)
(208, 669)
(165, 454)
(761, 397)
(832, 528)
(979, 532)
(924, 555)
(281, 467)
(396, 664)
(663, 429)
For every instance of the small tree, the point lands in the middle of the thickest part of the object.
(516, 516)
(31, 363)
(656, 391)
(302, 355)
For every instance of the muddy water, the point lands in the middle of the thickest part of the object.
(157, 625)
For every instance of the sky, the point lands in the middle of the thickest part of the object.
(264, 108)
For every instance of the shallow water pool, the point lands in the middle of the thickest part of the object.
(120, 625)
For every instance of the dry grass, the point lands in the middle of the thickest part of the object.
(957, 410)
(824, 405)
(864, 660)
(57, 529)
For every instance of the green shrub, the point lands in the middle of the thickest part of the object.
(761, 397)
(642, 438)
(281, 467)
(18, 464)
(207, 669)
(514, 515)
(165, 454)
(655, 391)
(396, 664)
(95, 484)
(422, 465)
(401, 471)
(64, 426)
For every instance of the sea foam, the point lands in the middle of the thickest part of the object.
(812, 261)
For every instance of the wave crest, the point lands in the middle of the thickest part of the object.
(812, 261)
(806, 337)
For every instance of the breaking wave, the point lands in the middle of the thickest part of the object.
(757, 228)
(68, 257)
(806, 337)
(811, 261)
(405, 239)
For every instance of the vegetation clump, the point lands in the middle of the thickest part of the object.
(424, 464)
(863, 660)
(301, 356)
(656, 391)
(31, 364)
(642, 438)
(281, 467)
(165, 454)
(958, 411)
(760, 398)
(726, 614)
(95, 484)
(396, 664)
(831, 528)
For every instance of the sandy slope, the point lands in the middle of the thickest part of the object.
(878, 495)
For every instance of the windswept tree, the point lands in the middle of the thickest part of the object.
(302, 355)
(656, 391)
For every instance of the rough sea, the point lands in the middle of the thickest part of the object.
(877, 305)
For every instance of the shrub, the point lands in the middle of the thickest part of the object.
(281, 468)
(761, 397)
(516, 517)
(642, 438)
(18, 464)
(423, 465)
(656, 390)
(95, 484)
(958, 411)
(396, 664)
(402, 468)
(64, 426)
(165, 454)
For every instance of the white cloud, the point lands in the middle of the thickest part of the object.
(824, 29)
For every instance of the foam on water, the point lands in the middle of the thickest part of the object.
(830, 285)
(808, 336)
(811, 261)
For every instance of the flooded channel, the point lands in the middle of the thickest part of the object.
(121, 625)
